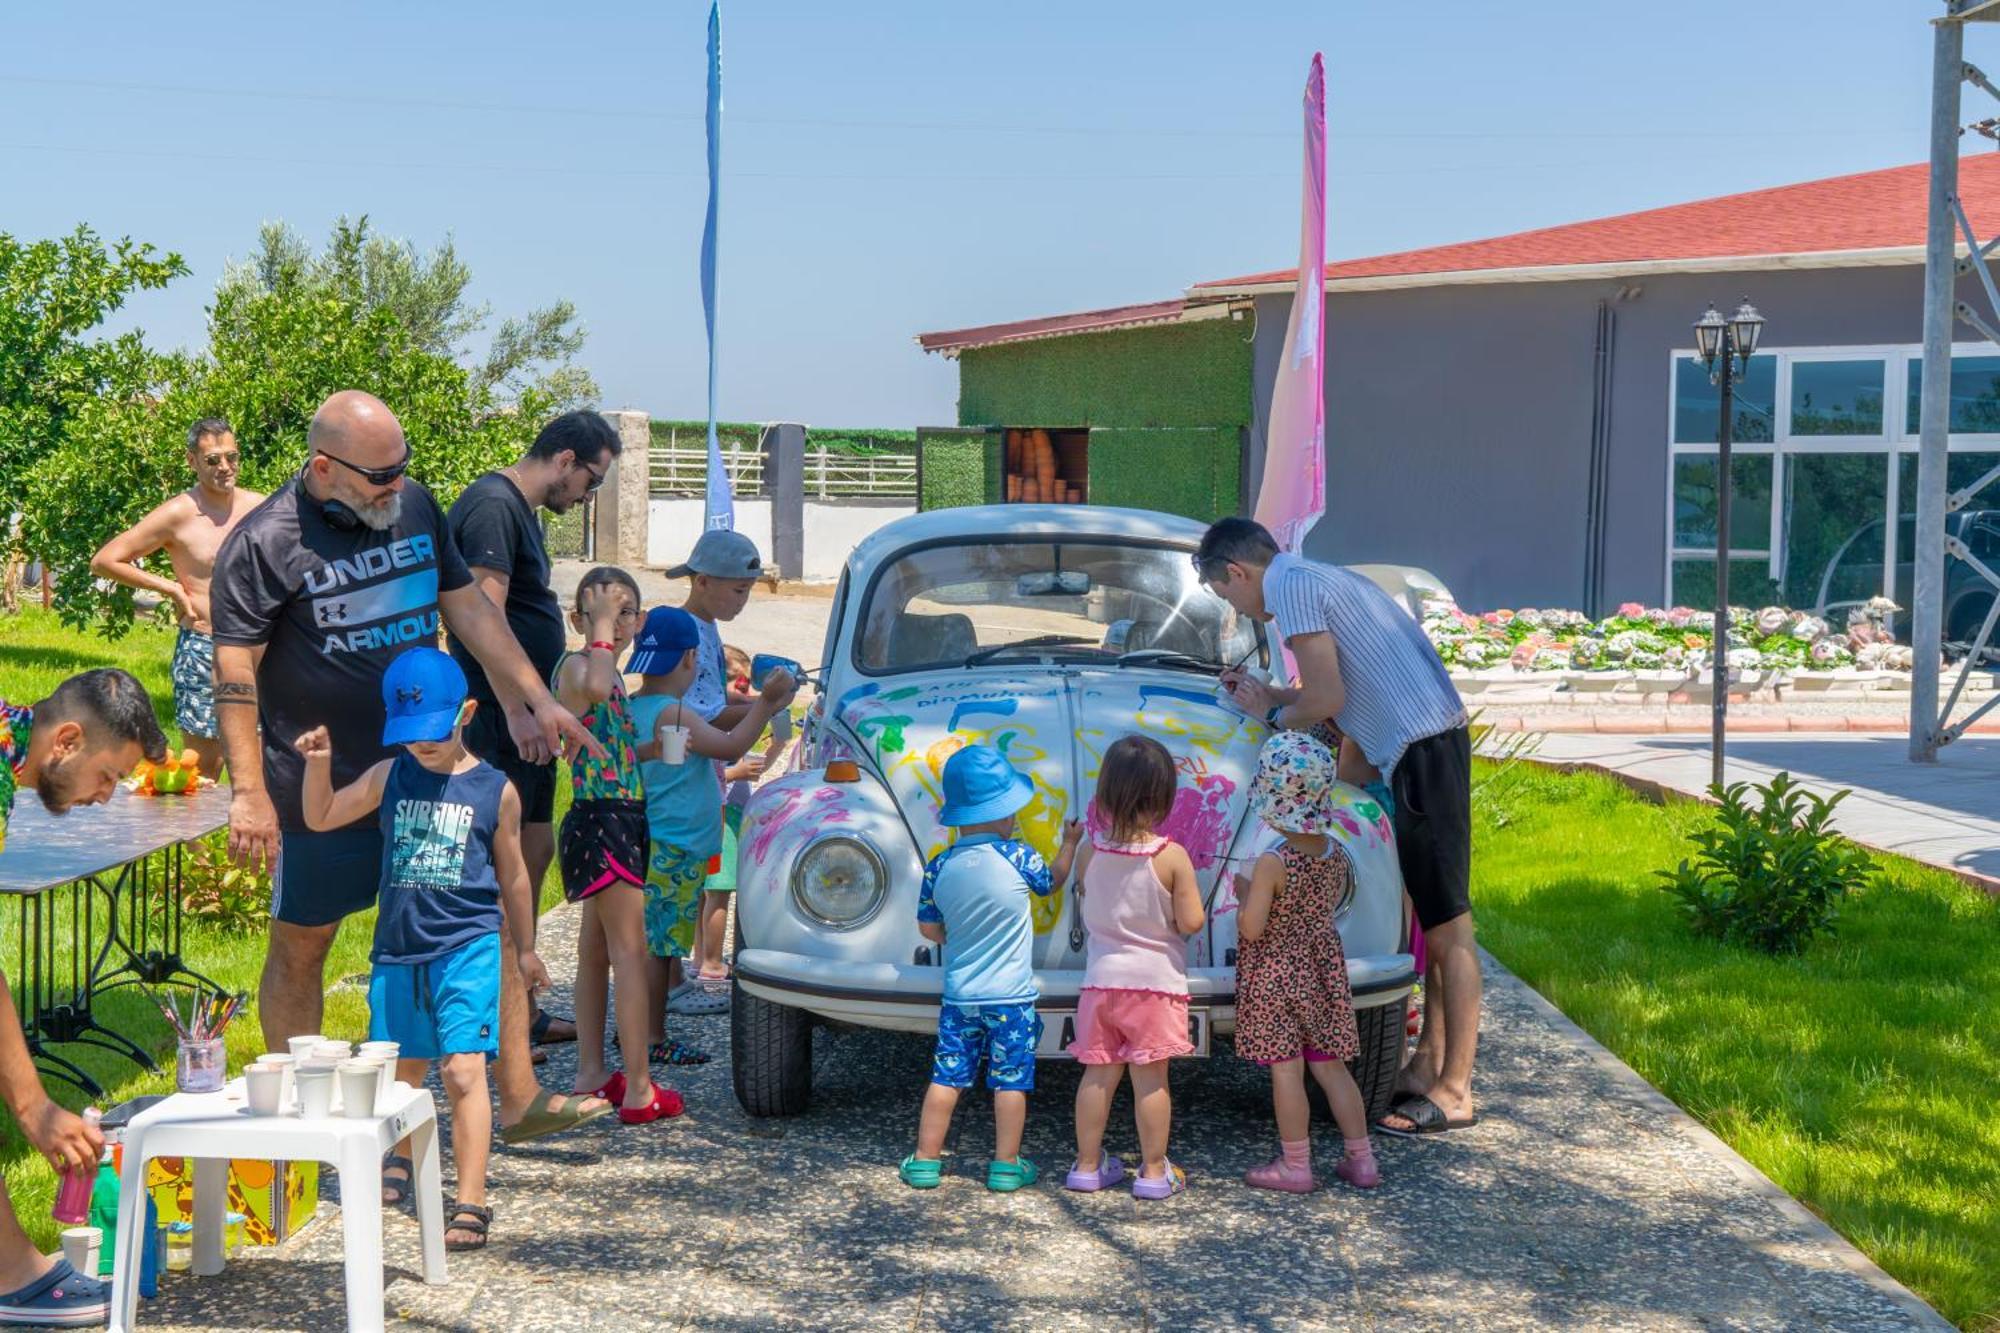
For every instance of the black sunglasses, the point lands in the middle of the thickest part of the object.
(596, 478)
(374, 476)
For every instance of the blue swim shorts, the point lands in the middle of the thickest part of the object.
(448, 1006)
(1005, 1034)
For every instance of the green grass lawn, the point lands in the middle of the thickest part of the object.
(36, 653)
(1861, 1077)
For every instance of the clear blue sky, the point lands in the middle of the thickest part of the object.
(897, 167)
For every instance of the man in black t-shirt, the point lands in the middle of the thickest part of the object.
(498, 531)
(316, 591)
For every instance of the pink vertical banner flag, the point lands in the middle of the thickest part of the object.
(1293, 494)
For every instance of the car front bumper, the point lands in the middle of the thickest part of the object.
(904, 997)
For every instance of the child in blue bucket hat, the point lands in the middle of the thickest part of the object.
(975, 906)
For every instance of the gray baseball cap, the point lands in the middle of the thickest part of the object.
(721, 554)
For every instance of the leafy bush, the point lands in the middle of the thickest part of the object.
(221, 893)
(1769, 875)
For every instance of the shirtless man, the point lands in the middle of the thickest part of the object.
(190, 528)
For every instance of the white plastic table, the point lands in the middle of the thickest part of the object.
(212, 1127)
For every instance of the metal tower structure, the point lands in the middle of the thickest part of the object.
(1930, 724)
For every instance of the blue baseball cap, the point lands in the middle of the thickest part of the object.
(980, 786)
(663, 640)
(423, 689)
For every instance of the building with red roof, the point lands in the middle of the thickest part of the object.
(1522, 414)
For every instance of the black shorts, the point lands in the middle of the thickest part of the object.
(1432, 784)
(603, 843)
(487, 736)
(323, 878)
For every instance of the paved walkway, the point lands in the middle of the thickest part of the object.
(1583, 1200)
(1947, 813)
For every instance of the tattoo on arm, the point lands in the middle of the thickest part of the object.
(235, 692)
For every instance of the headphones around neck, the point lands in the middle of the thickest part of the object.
(333, 513)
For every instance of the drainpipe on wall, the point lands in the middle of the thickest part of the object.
(1598, 494)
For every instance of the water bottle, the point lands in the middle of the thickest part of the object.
(149, 1253)
(72, 1206)
(104, 1212)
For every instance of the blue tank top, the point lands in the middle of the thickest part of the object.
(439, 889)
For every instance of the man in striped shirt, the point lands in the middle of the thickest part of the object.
(1365, 663)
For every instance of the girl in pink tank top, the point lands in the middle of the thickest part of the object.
(1140, 902)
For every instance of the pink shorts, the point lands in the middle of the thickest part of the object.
(1313, 1057)
(1136, 1027)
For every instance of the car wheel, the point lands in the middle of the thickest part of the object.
(1381, 1058)
(770, 1054)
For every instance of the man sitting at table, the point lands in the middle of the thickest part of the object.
(72, 748)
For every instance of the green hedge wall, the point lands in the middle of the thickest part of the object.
(1166, 375)
(960, 470)
(1195, 471)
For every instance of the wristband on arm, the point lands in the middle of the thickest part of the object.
(600, 643)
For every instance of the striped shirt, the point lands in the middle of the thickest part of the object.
(1397, 689)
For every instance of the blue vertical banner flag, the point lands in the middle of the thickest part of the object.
(719, 508)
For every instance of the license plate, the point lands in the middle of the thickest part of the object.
(1059, 1033)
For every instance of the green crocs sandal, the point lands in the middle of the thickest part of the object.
(1006, 1177)
(919, 1174)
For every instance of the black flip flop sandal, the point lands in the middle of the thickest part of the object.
(398, 1189)
(481, 1217)
(1425, 1118)
(538, 1031)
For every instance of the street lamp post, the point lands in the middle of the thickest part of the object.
(1725, 347)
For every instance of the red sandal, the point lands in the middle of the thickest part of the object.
(665, 1105)
(613, 1090)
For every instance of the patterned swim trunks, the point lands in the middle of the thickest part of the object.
(194, 683)
(1004, 1034)
(674, 879)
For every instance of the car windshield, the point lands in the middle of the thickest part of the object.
(1087, 601)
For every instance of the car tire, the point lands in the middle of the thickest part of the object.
(770, 1054)
(1381, 1028)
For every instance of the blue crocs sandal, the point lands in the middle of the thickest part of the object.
(59, 1298)
(1006, 1177)
(919, 1174)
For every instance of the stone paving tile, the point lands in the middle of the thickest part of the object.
(1578, 1202)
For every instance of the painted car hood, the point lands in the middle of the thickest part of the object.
(1054, 724)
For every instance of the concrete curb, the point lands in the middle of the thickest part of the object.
(1816, 1229)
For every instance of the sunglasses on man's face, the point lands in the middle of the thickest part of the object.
(374, 476)
(596, 477)
(221, 460)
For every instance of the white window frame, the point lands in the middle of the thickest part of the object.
(1895, 441)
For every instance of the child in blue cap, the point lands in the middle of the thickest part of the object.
(974, 904)
(451, 847)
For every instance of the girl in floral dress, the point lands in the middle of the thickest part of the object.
(1294, 1009)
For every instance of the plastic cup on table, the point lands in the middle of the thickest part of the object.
(385, 1065)
(302, 1046)
(264, 1088)
(333, 1050)
(315, 1084)
(287, 1063)
(360, 1081)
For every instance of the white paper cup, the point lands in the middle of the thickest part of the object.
(388, 1050)
(288, 1064)
(264, 1086)
(333, 1050)
(315, 1084)
(359, 1082)
(302, 1046)
(673, 745)
(80, 1245)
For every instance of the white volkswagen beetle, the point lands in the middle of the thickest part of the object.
(1047, 632)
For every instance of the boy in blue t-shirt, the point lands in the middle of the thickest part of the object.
(451, 846)
(974, 905)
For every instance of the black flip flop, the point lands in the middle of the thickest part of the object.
(398, 1187)
(1425, 1118)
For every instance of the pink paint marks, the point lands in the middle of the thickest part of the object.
(1199, 822)
(811, 807)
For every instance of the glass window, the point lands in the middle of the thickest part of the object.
(1975, 395)
(1977, 524)
(1749, 502)
(1698, 404)
(1749, 582)
(1837, 397)
(957, 604)
(1833, 528)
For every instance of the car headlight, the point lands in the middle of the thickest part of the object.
(839, 881)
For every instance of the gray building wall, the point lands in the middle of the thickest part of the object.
(1459, 418)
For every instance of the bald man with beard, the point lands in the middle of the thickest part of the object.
(316, 592)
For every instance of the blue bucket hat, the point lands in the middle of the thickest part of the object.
(980, 785)
(423, 690)
(663, 640)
